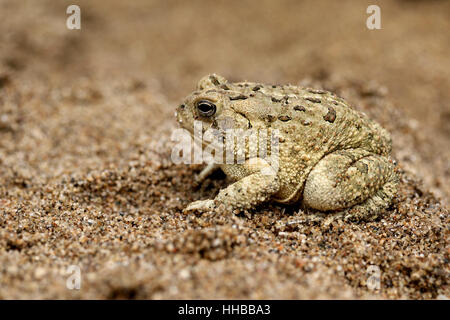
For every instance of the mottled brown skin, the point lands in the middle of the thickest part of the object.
(331, 157)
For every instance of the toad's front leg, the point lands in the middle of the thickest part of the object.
(209, 169)
(255, 188)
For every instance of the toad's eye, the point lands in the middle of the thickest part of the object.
(206, 108)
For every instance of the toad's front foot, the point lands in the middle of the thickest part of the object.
(200, 206)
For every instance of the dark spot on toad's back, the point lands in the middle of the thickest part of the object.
(214, 80)
(299, 108)
(224, 87)
(331, 115)
(284, 118)
(256, 88)
(276, 100)
(271, 118)
(239, 97)
(314, 100)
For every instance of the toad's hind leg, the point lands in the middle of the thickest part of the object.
(358, 184)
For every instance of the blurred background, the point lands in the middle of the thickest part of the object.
(176, 42)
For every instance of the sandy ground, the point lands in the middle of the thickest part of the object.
(86, 177)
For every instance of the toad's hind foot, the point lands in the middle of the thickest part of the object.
(354, 184)
(374, 206)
